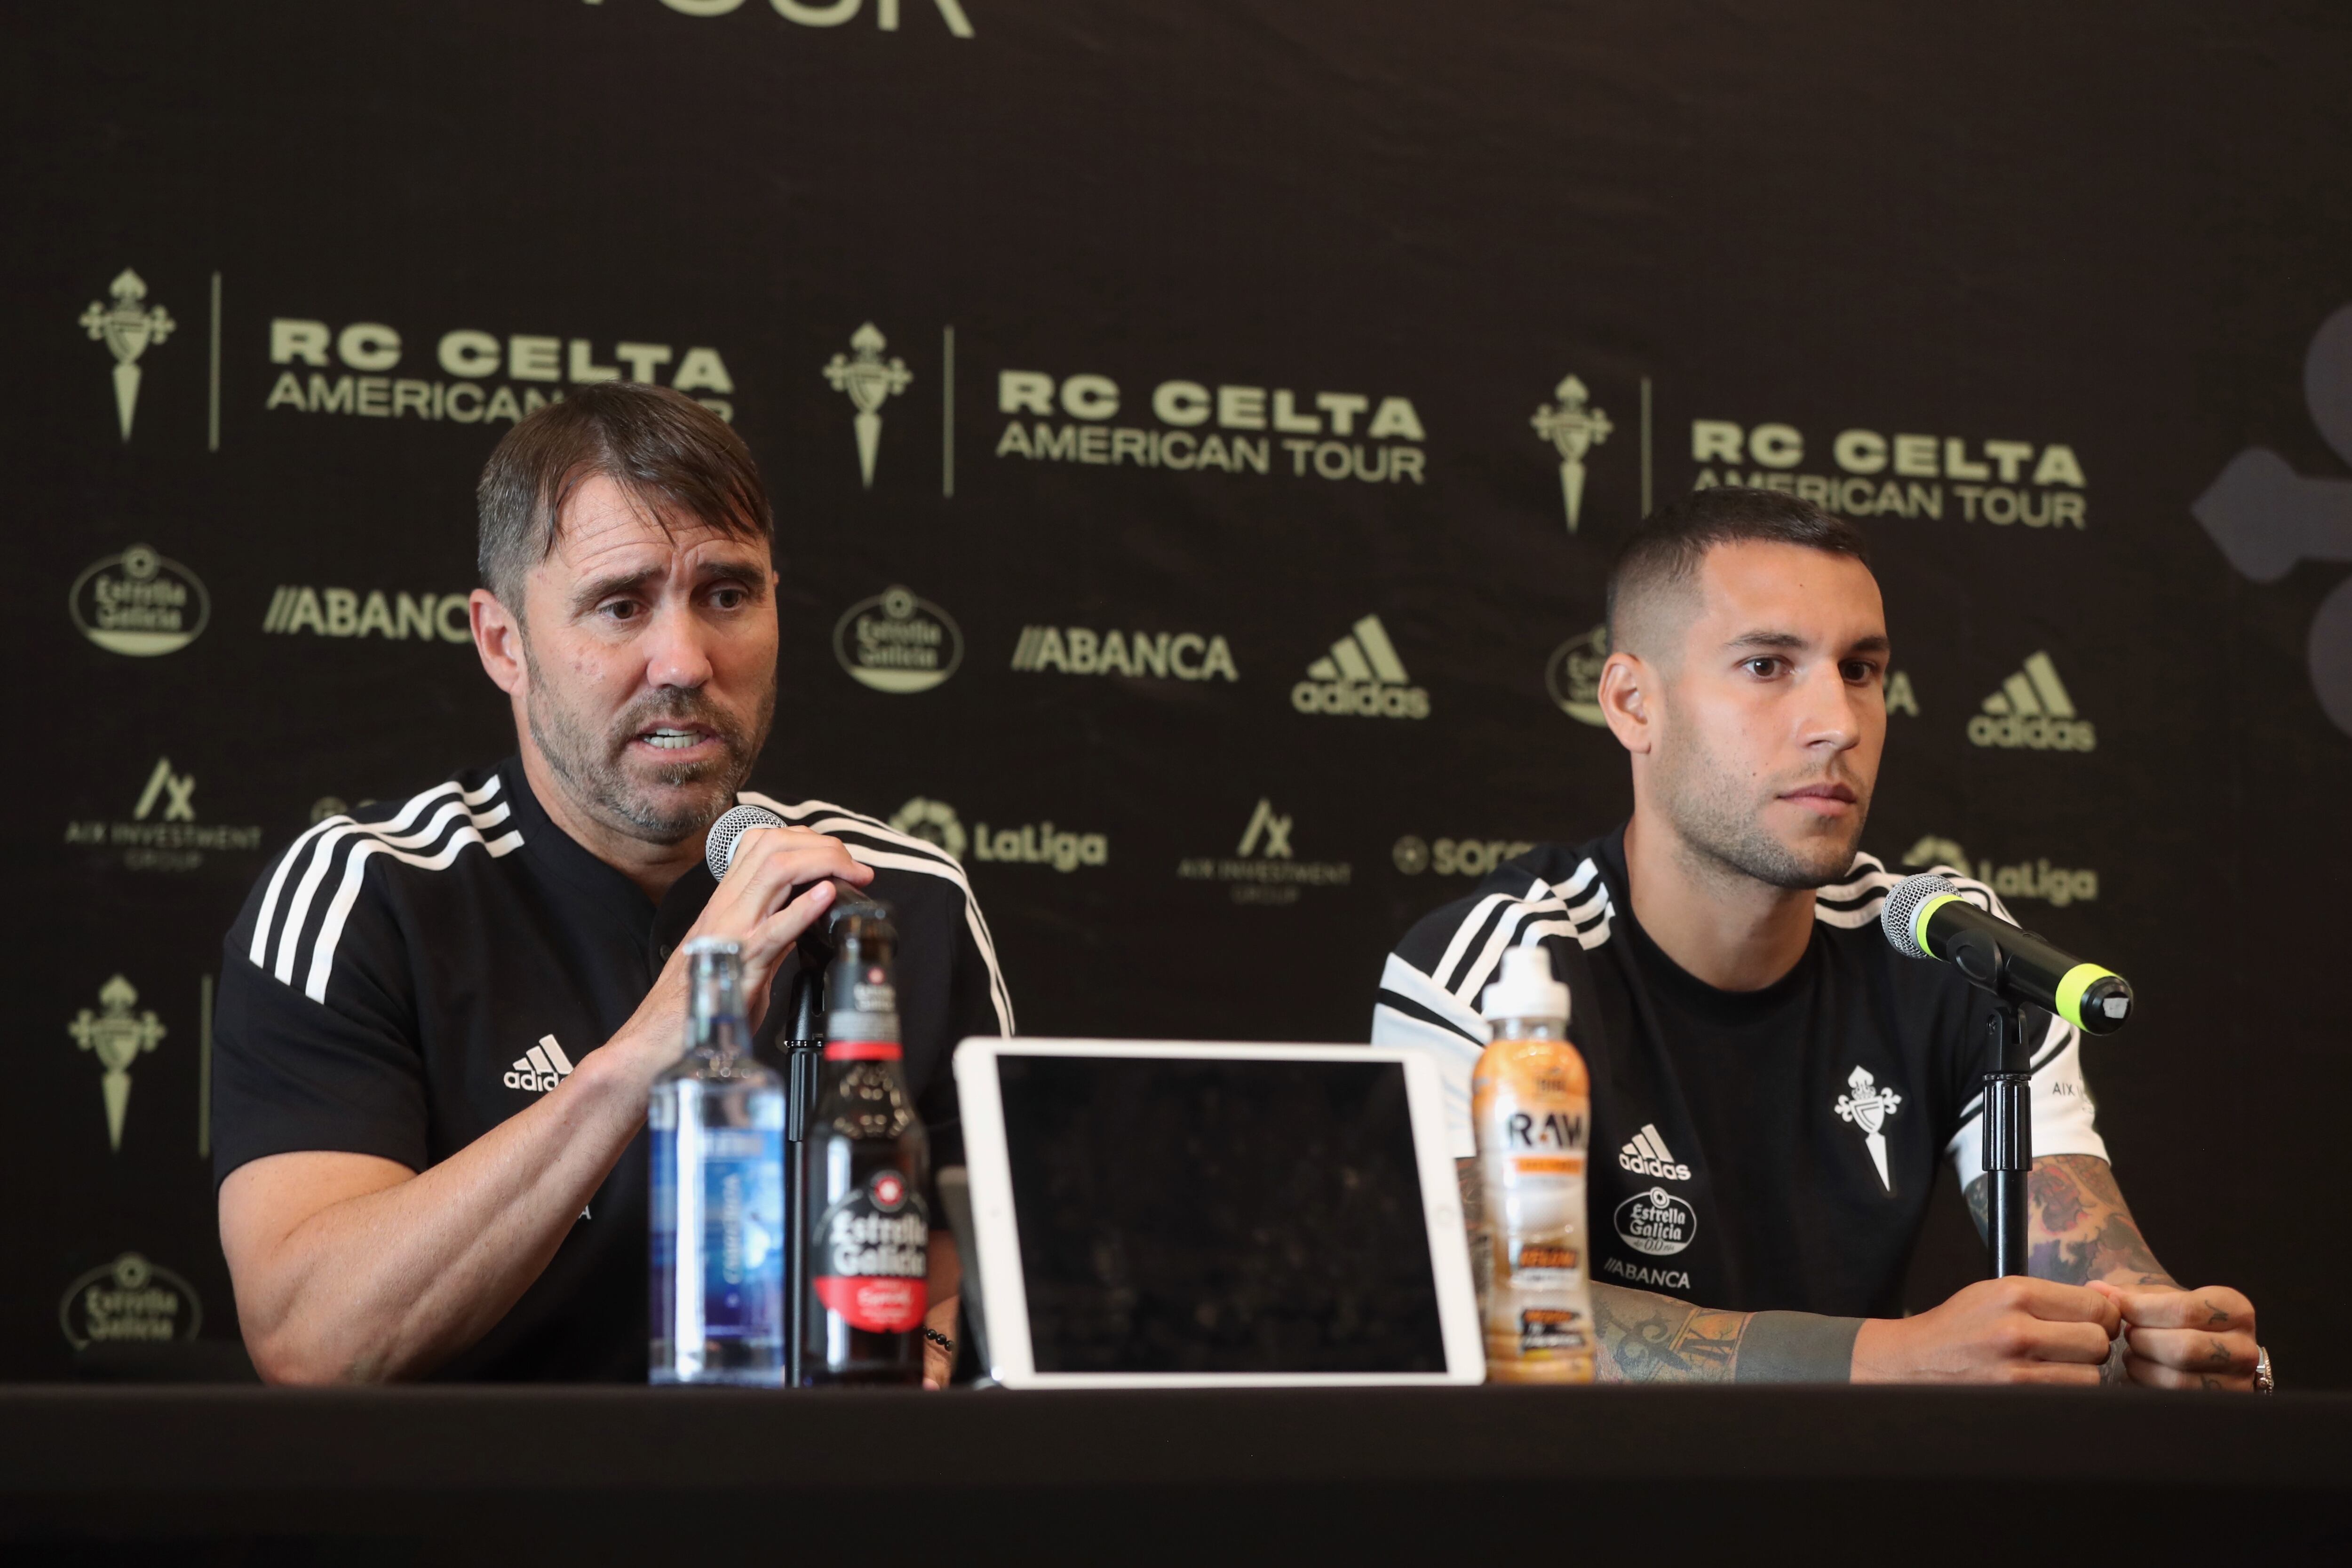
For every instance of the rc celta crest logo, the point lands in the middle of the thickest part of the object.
(127, 328)
(869, 380)
(1870, 1108)
(117, 1037)
(1574, 428)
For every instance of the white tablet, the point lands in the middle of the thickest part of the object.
(1165, 1214)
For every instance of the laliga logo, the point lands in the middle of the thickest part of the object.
(2267, 518)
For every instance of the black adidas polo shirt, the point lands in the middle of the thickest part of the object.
(404, 979)
(1751, 1151)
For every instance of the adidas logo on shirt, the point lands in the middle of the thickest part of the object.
(2033, 710)
(542, 1068)
(1363, 675)
(1646, 1152)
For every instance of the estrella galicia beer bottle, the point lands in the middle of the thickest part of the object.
(865, 1163)
(1530, 1102)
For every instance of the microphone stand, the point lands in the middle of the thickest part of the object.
(2008, 1118)
(801, 1053)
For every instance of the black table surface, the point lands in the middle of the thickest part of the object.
(445, 1475)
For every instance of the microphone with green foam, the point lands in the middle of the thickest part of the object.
(1926, 917)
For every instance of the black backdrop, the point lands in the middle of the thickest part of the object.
(2058, 268)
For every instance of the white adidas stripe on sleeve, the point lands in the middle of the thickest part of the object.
(908, 853)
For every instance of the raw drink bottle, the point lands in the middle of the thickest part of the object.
(865, 1164)
(1530, 1102)
(716, 1120)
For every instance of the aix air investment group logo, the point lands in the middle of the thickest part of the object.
(1263, 869)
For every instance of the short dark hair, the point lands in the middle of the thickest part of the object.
(1666, 549)
(668, 452)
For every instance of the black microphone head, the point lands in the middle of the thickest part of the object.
(719, 850)
(1899, 913)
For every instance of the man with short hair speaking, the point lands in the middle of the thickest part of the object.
(1772, 1083)
(439, 1018)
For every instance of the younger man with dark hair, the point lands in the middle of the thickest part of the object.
(1772, 1083)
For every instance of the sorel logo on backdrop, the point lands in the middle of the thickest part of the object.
(897, 642)
(140, 604)
(130, 1299)
(1382, 449)
(1646, 1154)
(1039, 843)
(2033, 710)
(1154, 655)
(117, 1037)
(346, 612)
(2057, 886)
(162, 834)
(1265, 869)
(127, 328)
(868, 380)
(1413, 854)
(831, 12)
(1361, 674)
(1574, 430)
(541, 1068)
(485, 364)
(1901, 475)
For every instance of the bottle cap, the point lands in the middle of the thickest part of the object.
(1525, 989)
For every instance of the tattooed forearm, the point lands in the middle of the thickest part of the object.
(1656, 1339)
(2078, 1227)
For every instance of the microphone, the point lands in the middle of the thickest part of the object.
(719, 848)
(1926, 917)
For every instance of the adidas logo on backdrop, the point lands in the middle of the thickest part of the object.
(1646, 1153)
(1361, 674)
(2033, 710)
(539, 1069)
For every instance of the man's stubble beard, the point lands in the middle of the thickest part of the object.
(1719, 818)
(590, 765)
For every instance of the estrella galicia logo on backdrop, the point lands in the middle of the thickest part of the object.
(2267, 518)
(2033, 710)
(1361, 675)
(140, 604)
(2038, 879)
(1333, 435)
(1657, 1223)
(1143, 656)
(130, 1299)
(1038, 844)
(1573, 426)
(128, 328)
(1413, 854)
(1264, 868)
(296, 609)
(1995, 481)
(117, 1036)
(348, 370)
(1572, 675)
(163, 833)
(833, 13)
(867, 380)
(897, 642)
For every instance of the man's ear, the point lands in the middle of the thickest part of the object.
(1628, 702)
(497, 639)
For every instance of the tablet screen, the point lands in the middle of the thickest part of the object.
(1201, 1216)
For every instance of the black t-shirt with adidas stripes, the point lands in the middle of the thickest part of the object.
(404, 979)
(1751, 1151)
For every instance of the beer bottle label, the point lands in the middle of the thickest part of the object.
(873, 1254)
